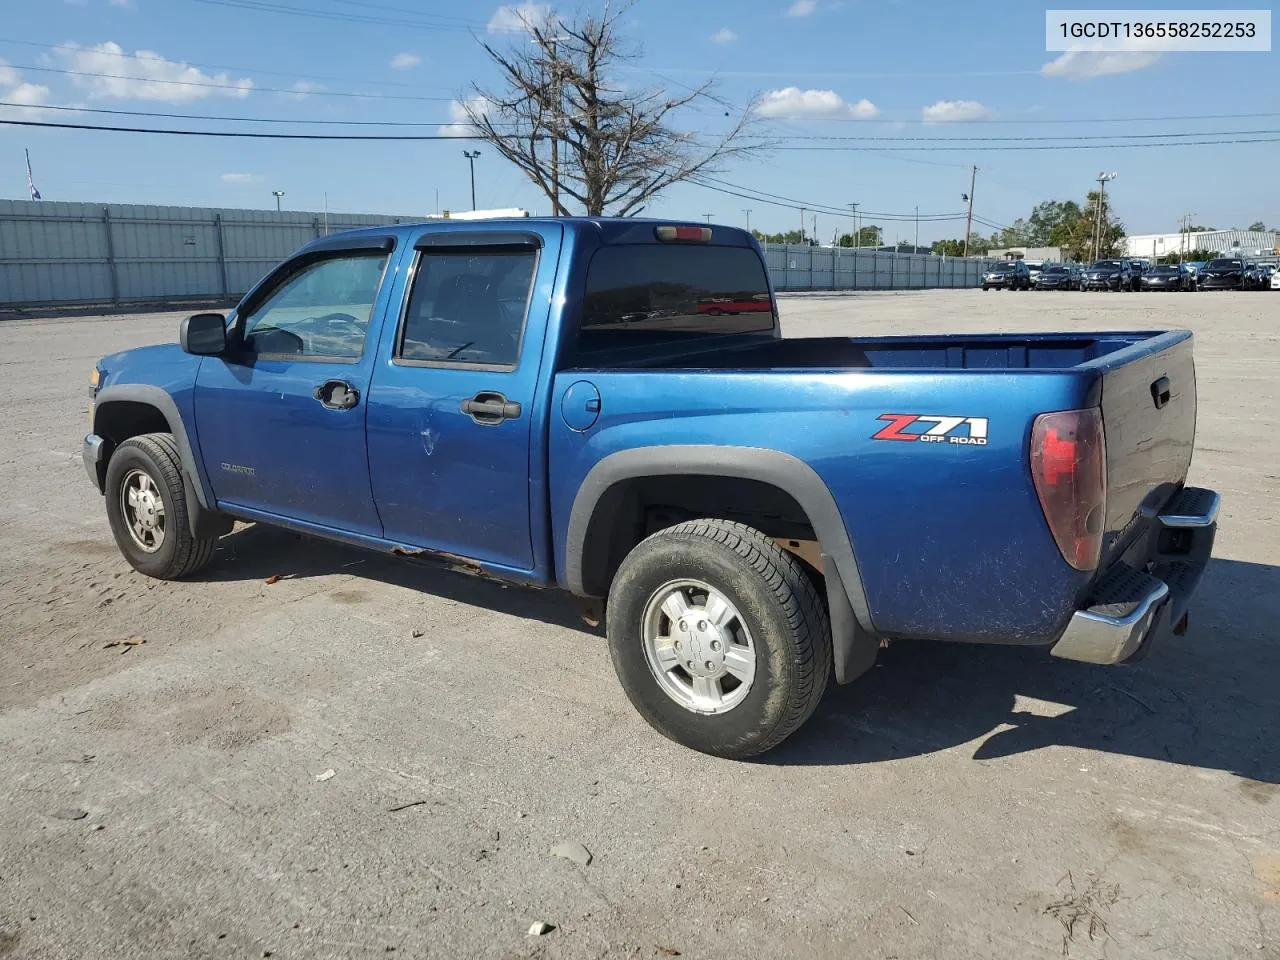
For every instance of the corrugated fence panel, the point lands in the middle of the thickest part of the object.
(81, 253)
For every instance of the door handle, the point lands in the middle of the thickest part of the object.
(490, 407)
(337, 395)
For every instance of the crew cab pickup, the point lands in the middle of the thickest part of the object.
(609, 407)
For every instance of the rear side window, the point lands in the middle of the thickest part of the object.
(643, 294)
(468, 306)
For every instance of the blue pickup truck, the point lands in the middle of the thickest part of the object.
(608, 407)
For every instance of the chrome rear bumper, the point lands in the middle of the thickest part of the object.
(1130, 608)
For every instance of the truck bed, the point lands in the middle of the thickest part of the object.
(1013, 351)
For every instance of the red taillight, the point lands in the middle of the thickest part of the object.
(1069, 467)
(685, 234)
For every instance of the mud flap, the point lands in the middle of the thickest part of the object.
(853, 650)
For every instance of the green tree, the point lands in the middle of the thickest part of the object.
(866, 237)
(1258, 225)
(791, 236)
(1189, 256)
(1197, 229)
(948, 248)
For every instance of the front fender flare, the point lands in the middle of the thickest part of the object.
(853, 632)
(201, 507)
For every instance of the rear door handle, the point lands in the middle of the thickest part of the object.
(337, 395)
(489, 407)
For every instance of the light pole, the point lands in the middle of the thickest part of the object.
(857, 226)
(471, 158)
(1102, 202)
(277, 194)
(747, 211)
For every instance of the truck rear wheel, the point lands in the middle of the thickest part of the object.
(147, 509)
(718, 637)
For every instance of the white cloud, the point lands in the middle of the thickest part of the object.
(462, 125)
(954, 111)
(304, 88)
(1084, 64)
(724, 36)
(405, 61)
(241, 178)
(107, 74)
(802, 8)
(792, 103)
(29, 96)
(516, 18)
(120, 3)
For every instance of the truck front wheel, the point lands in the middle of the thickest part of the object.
(718, 637)
(147, 509)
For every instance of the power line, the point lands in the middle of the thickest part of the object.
(1056, 146)
(248, 134)
(230, 86)
(97, 52)
(201, 116)
(819, 206)
(1037, 121)
(1054, 137)
(267, 7)
(823, 209)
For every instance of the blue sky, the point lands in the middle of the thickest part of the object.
(900, 69)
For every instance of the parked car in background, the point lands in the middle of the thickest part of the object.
(1109, 275)
(1057, 276)
(1223, 273)
(1168, 276)
(1035, 268)
(1195, 266)
(1256, 276)
(1275, 278)
(1007, 275)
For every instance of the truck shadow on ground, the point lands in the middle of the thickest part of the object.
(258, 551)
(1210, 699)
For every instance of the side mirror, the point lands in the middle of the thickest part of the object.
(204, 334)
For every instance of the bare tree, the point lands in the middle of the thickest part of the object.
(562, 119)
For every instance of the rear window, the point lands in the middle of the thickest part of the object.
(648, 294)
(1226, 264)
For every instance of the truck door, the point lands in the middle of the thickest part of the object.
(281, 418)
(451, 406)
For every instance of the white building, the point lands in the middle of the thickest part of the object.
(1245, 243)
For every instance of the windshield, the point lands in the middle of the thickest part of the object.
(1226, 264)
(1003, 268)
(1107, 265)
(1055, 269)
(1167, 269)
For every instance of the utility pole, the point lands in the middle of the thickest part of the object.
(815, 228)
(802, 213)
(917, 243)
(555, 132)
(708, 217)
(968, 223)
(1184, 240)
(471, 157)
(747, 211)
(1102, 204)
(857, 226)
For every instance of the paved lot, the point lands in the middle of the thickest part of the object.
(957, 802)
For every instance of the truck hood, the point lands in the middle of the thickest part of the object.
(164, 365)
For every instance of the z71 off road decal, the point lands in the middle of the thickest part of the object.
(921, 428)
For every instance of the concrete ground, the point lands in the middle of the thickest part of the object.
(956, 802)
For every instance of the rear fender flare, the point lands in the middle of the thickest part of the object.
(853, 630)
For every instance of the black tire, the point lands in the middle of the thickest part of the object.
(985, 288)
(776, 601)
(178, 554)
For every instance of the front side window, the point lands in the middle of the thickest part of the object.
(323, 310)
(468, 306)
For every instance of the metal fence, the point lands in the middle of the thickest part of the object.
(55, 254)
(841, 268)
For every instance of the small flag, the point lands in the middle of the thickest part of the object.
(31, 184)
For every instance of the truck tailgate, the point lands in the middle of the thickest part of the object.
(1149, 418)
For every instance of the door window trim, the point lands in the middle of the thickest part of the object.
(505, 243)
(325, 251)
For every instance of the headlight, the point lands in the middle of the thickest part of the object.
(94, 378)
